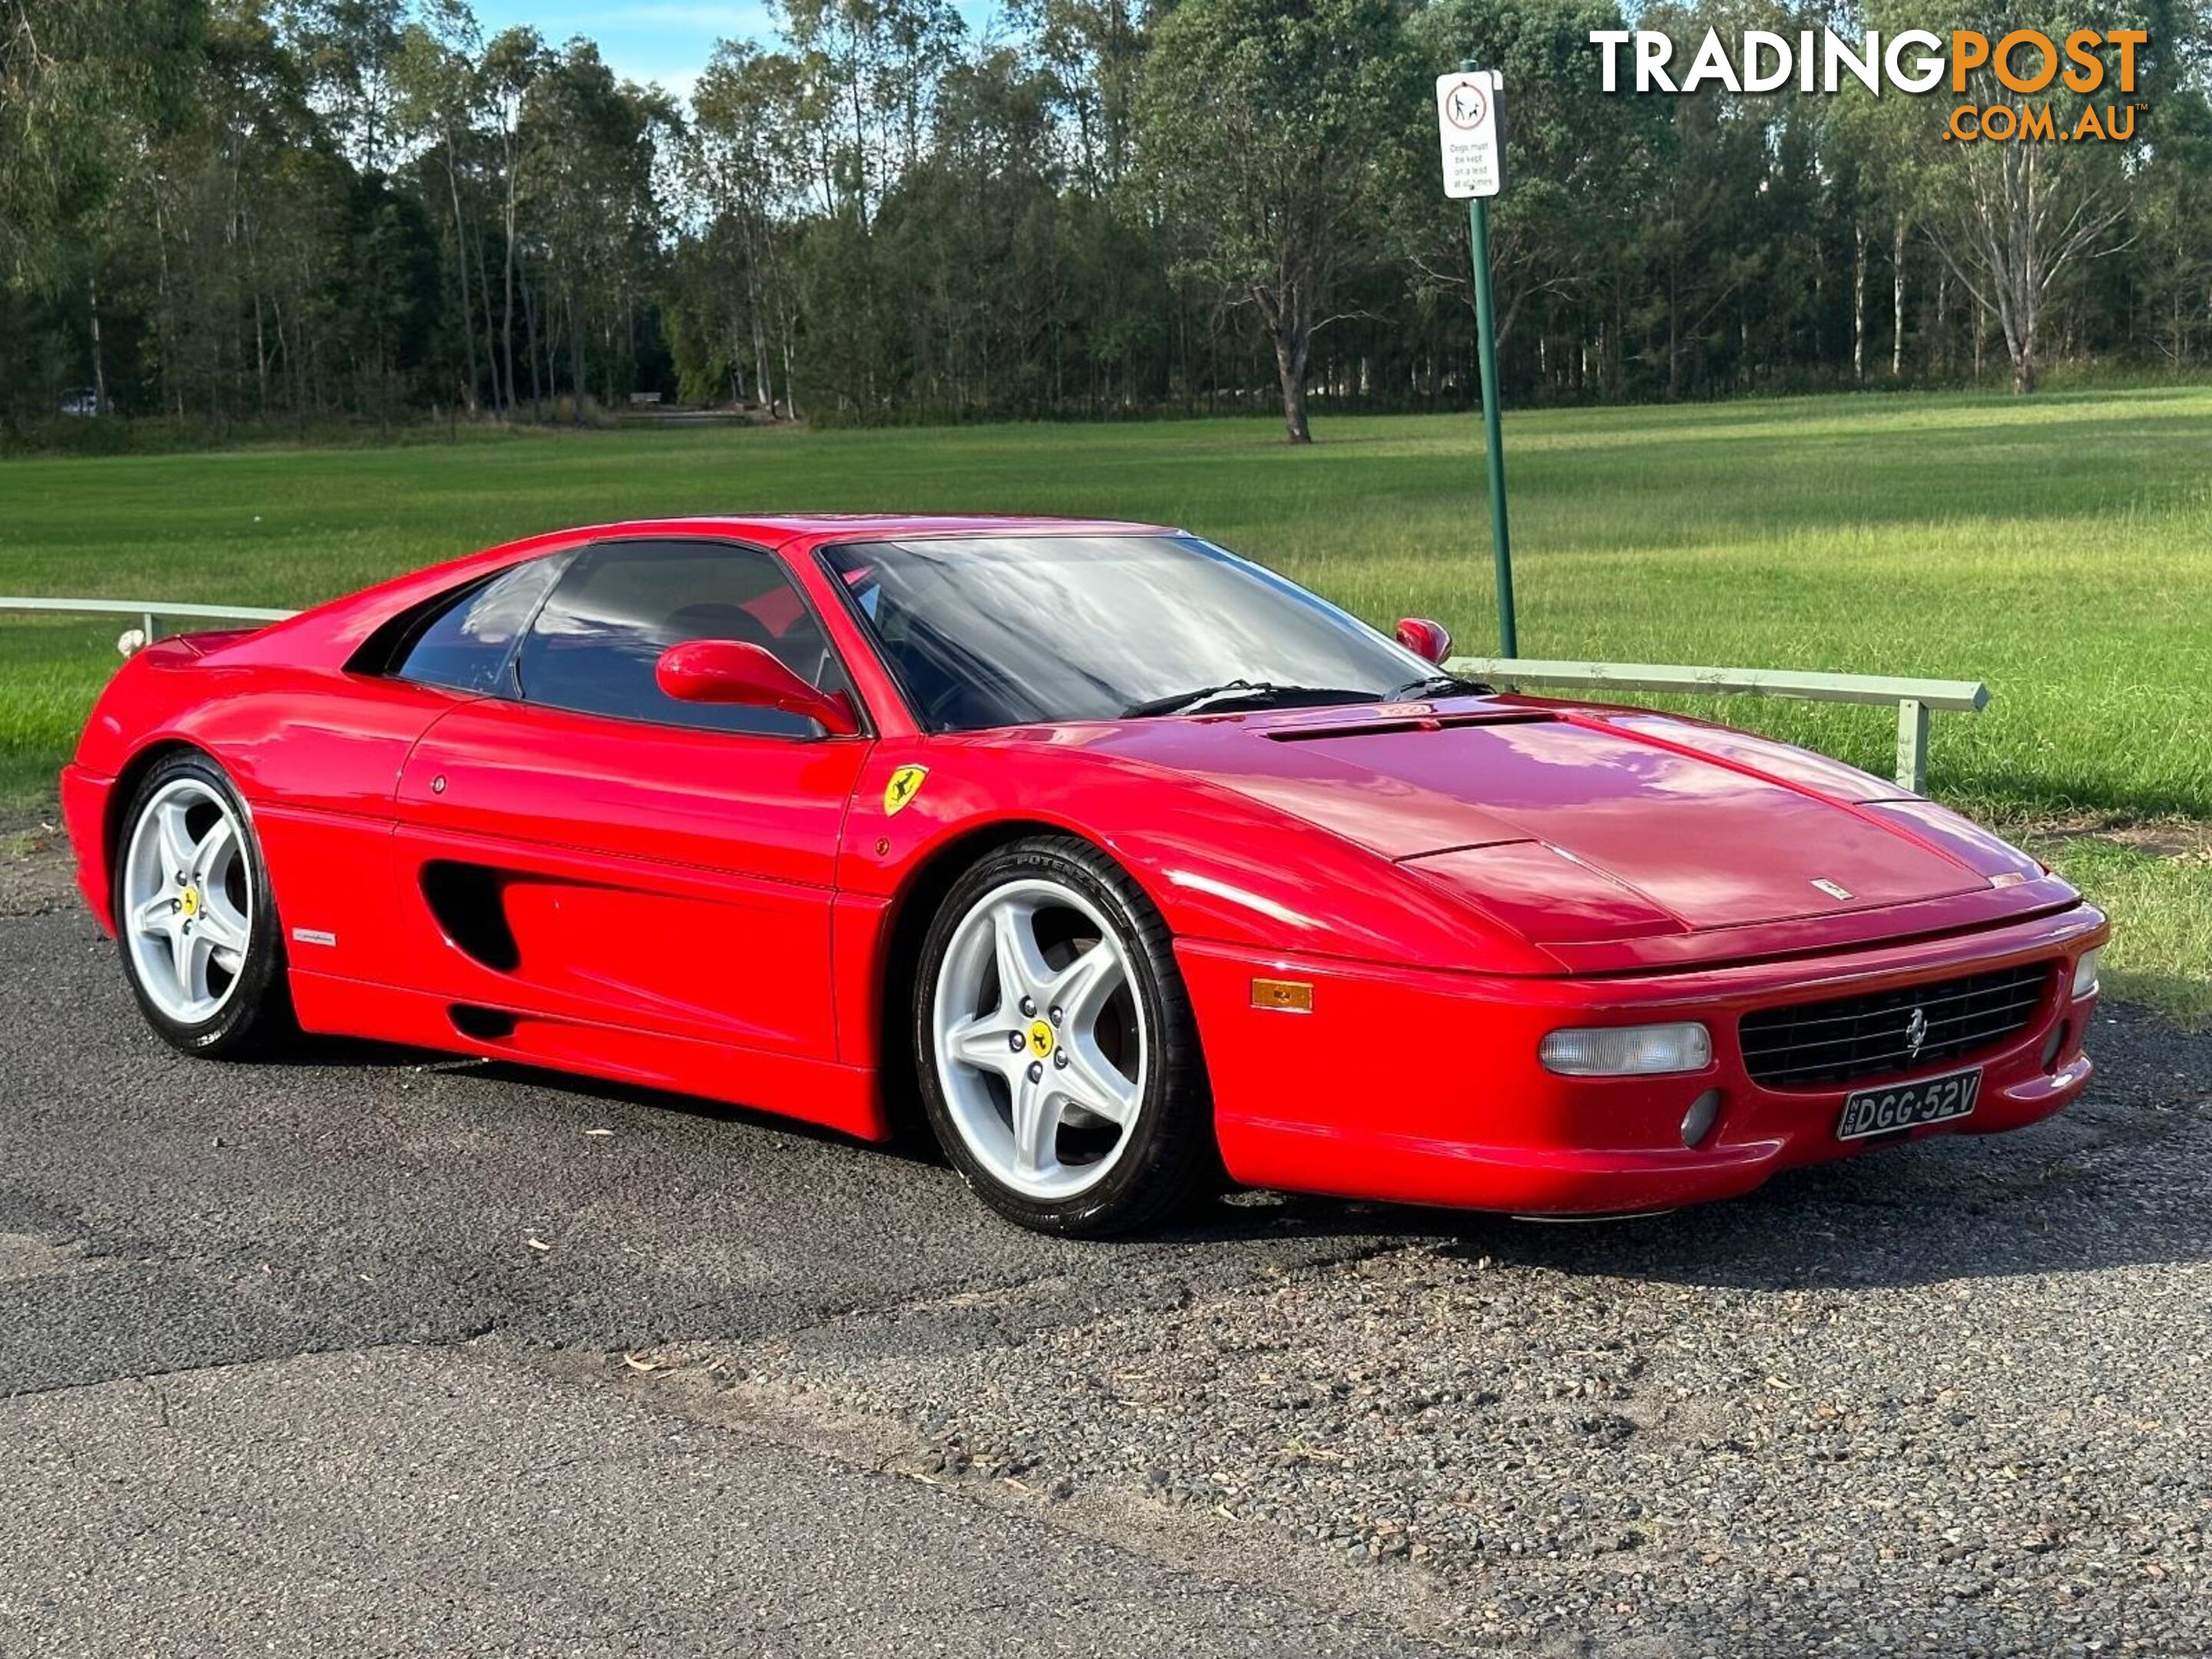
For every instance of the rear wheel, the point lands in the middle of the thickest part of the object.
(1054, 1043)
(193, 918)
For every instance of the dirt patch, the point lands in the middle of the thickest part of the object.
(26, 1256)
(38, 873)
(2167, 838)
(2191, 841)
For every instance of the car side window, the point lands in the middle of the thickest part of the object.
(466, 645)
(618, 606)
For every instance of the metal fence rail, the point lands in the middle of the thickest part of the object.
(150, 613)
(1914, 699)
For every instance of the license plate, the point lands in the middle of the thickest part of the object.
(1909, 1105)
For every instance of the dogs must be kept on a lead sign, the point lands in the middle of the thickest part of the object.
(1468, 121)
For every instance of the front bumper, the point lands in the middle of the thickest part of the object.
(1422, 1086)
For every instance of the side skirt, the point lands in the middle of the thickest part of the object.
(847, 1099)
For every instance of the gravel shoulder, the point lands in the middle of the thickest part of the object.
(375, 1347)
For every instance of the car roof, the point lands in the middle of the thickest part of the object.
(817, 527)
(344, 623)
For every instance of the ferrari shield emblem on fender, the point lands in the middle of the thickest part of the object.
(905, 784)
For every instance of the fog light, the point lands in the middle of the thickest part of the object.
(1697, 1121)
(2054, 1044)
(1627, 1050)
(2085, 973)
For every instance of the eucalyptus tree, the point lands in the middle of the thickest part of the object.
(350, 50)
(2012, 217)
(76, 80)
(2174, 210)
(972, 266)
(443, 101)
(744, 161)
(1095, 51)
(274, 208)
(587, 143)
(917, 45)
(1270, 131)
(836, 45)
(510, 64)
(1578, 168)
(81, 84)
(1117, 313)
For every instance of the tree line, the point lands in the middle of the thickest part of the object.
(253, 212)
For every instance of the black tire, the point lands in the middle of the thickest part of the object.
(256, 1015)
(1170, 1161)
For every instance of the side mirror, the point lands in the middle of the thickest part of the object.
(731, 672)
(1429, 641)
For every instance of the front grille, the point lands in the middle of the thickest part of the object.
(1855, 1038)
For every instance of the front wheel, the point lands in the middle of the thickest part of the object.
(193, 917)
(1058, 1058)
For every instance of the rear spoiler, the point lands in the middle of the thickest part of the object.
(132, 640)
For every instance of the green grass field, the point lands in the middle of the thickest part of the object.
(2060, 549)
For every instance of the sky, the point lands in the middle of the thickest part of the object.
(665, 40)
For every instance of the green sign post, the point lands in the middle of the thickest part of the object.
(1468, 127)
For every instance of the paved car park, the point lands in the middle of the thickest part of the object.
(372, 1352)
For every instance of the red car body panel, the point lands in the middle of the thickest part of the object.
(718, 914)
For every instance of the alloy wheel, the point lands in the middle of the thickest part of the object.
(187, 901)
(1040, 1039)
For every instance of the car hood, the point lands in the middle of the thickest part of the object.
(1594, 824)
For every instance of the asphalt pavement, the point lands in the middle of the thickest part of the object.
(372, 1352)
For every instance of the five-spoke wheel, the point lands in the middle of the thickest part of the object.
(1040, 1038)
(1059, 1061)
(193, 913)
(187, 905)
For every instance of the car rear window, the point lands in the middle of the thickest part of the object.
(469, 643)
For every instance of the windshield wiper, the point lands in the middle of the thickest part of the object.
(1252, 691)
(1439, 685)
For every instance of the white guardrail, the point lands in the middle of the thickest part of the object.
(1915, 699)
(150, 616)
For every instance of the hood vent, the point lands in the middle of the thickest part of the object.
(1387, 725)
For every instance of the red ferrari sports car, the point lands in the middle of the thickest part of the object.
(1135, 863)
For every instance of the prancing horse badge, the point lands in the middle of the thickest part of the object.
(905, 784)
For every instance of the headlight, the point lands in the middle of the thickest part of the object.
(1628, 1050)
(2085, 973)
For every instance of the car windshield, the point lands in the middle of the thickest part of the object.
(985, 631)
